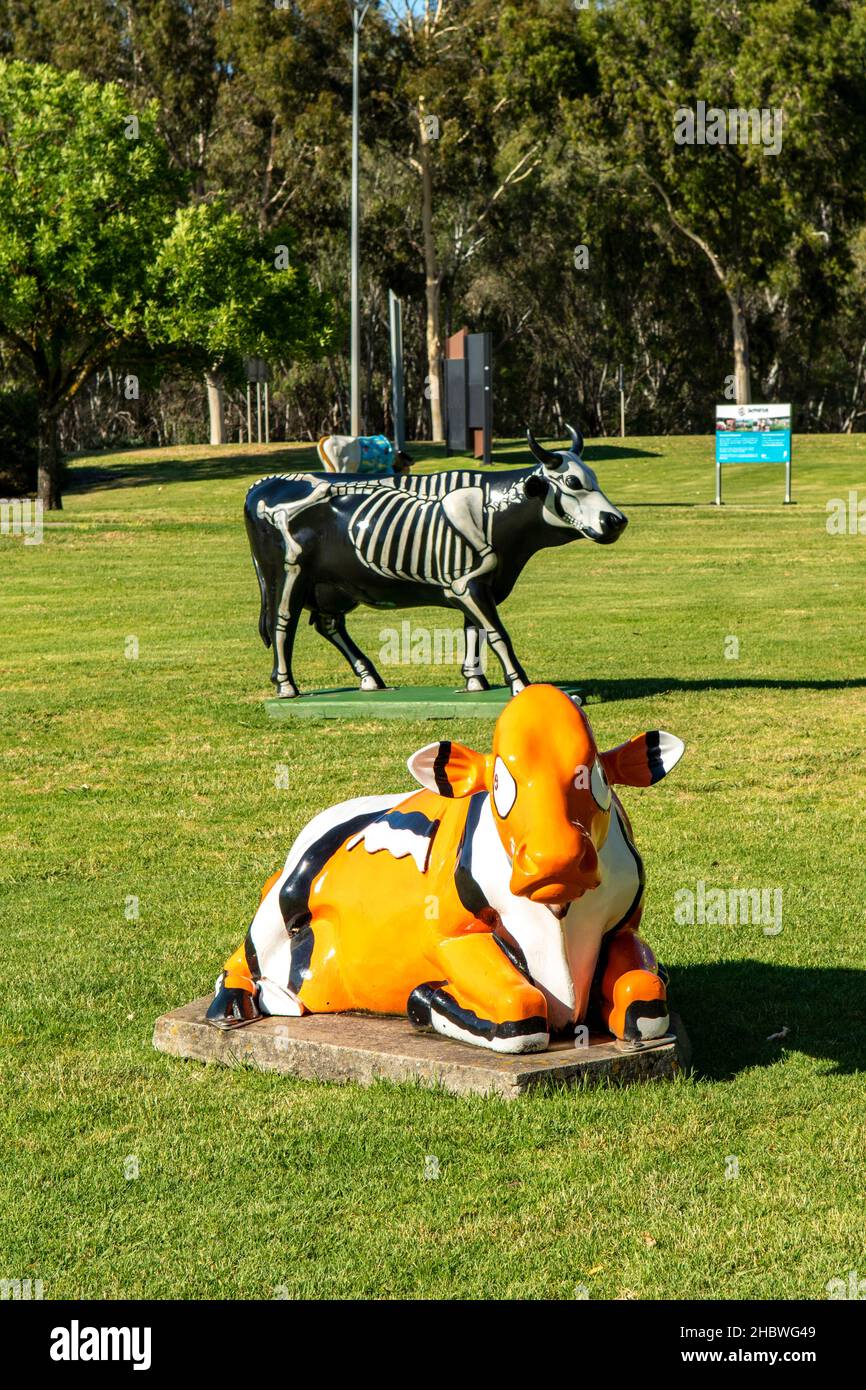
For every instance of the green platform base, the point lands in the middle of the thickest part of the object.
(405, 702)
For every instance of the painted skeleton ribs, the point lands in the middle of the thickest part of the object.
(497, 906)
(399, 536)
(458, 539)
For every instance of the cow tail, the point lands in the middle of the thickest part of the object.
(264, 613)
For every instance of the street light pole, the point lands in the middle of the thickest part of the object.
(359, 10)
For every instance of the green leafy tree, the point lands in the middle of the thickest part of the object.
(751, 214)
(220, 294)
(95, 253)
(86, 198)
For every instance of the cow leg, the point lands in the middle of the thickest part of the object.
(479, 608)
(633, 995)
(235, 1002)
(483, 999)
(287, 612)
(334, 630)
(473, 673)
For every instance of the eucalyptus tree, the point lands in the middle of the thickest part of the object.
(744, 121)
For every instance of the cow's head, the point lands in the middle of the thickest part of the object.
(550, 789)
(571, 496)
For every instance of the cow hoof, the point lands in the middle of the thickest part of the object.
(517, 686)
(419, 1008)
(640, 1011)
(233, 1008)
(287, 691)
(476, 683)
(643, 1023)
(371, 683)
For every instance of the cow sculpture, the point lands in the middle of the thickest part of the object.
(498, 905)
(362, 455)
(457, 539)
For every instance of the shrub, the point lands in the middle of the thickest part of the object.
(18, 442)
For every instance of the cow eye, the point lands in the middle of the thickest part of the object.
(504, 789)
(598, 785)
(574, 484)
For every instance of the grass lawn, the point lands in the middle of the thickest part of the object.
(155, 779)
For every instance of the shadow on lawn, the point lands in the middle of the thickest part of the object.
(731, 1008)
(517, 455)
(607, 691)
(600, 452)
(146, 474)
(98, 478)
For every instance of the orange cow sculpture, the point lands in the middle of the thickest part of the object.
(497, 905)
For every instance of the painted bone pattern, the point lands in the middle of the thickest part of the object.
(433, 534)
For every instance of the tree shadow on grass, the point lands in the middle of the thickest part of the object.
(517, 455)
(148, 473)
(600, 452)
(153, 472)
(731, 1007)
(607, 691)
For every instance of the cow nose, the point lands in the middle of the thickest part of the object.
(574, 863)
(525, 862)
(611, 526)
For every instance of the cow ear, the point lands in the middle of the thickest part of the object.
(451, 769)
(644, 760)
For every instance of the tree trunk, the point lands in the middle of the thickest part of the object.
(742, 371)
(48, 476)
(432, 284)
(215, 407)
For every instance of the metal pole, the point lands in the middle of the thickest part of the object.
(258, 412)
(249, 415)
(621, 403)
(395, 313)
(718, 480)
(788, 473)
(358, 13)
(267, 409)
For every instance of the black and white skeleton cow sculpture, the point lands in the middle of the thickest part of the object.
(458, 539)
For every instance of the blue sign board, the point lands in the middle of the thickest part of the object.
(753, 434)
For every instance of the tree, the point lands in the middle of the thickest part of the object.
(86, 198)
(95, 254)
(219, 295)
(447, 127)
(497, 135)
(158, 50)
(748, 208)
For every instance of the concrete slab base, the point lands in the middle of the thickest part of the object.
(364, 1048)
(405, 702)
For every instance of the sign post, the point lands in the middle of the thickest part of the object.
(788, 498)
(469, 394)
(753, 434)
(257, 371)
(395, 312)
(359, 10)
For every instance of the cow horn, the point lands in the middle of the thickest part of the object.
(576, 439)
(544, 456)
